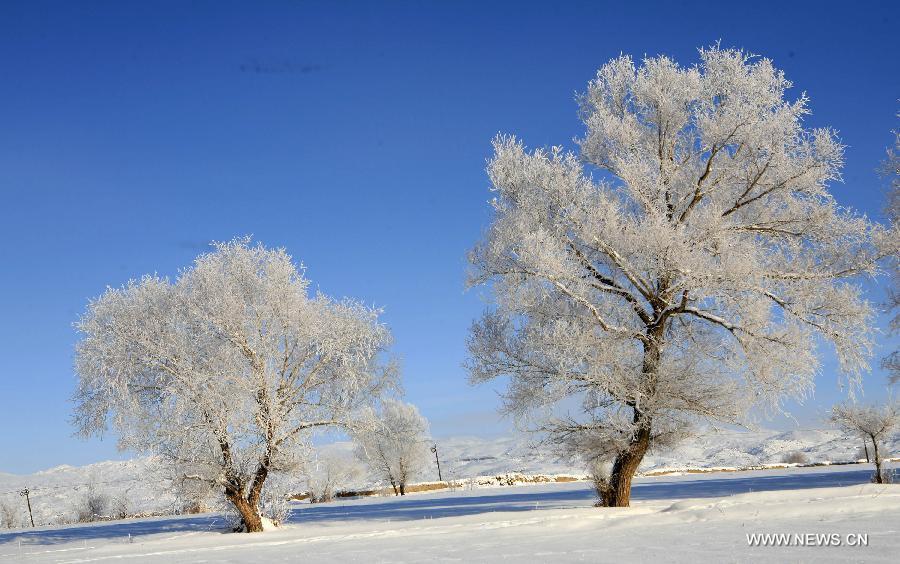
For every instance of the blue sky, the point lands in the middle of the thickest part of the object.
(353, 134)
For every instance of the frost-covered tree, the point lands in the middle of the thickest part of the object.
(228, 369)
(872, 423)
(328, 473)
(682, 266)
(191, 495)
(393, 443)
(121, 504)
(9, 517)
(93, 504)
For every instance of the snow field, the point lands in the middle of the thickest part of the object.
(673, 519)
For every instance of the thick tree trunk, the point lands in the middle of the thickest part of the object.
(618, 491)
(250, 516)
(402, 488)
(248, 507)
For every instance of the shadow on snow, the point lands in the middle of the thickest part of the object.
(430, 506)
(580, 495)
(116, 529)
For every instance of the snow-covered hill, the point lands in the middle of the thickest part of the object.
(466, 457)
(57, 493)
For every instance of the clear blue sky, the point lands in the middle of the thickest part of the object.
(354, 135)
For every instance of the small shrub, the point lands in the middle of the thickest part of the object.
(795, 457)
(93, 506)
(121, 506)
(325, 495)
(8, 515)
(328, 474)
(599, 472)
(277, 508)
(194, 506)
(887, 476)
(192, 495)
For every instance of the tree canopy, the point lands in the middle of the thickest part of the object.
(682, 265)
(227, 370)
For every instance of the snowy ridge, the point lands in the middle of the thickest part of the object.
(470, 457)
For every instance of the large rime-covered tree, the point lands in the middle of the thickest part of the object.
(682, 266)
(229, 369)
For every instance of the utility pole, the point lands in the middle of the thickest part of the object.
(438, 461)
(26, 493)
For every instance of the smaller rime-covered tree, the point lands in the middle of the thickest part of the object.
(228, 370)
(93, 504)
(8, 515)
(328, 473)
(682, 266)
(191, 495)
(393, 443)
(871, 423)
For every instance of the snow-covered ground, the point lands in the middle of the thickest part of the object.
(56, 493)
(673, 518)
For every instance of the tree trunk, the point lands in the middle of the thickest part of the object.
(879, 479)
(256, 489)
(618, 490)
(248, 507)
(866, 447)
(250, 517)
(402, 488)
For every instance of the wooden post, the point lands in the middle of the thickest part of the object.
(438, 461)
(26, 493)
